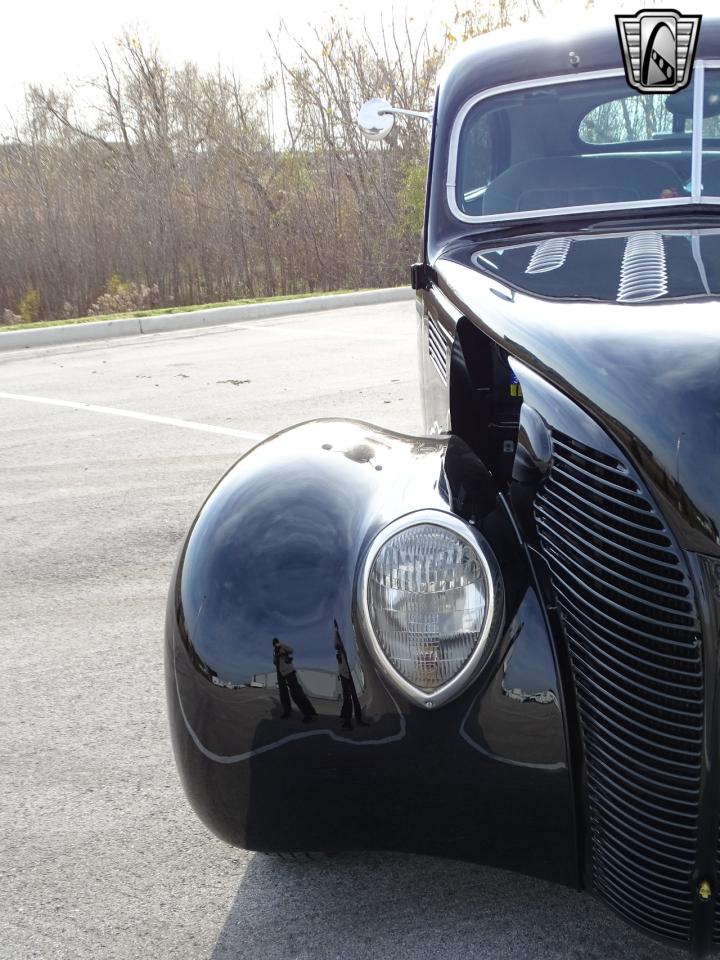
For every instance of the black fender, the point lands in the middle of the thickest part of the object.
(274, 552)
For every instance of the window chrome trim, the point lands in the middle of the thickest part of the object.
(451, 182)
(697, 132)
(494, 614)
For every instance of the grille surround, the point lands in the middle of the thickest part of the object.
(631, 625)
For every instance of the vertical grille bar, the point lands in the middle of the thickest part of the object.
(630, 621)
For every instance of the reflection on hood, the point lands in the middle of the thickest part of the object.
(635, 267)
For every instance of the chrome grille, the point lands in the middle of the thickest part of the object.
(629, 618)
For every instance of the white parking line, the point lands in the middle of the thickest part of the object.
(280, 327)
(134, 415)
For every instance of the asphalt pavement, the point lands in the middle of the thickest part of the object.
(107, 450)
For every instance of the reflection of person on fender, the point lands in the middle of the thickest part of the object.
(350, 697)
(288, 683)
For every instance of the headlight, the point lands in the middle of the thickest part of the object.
(431, 598)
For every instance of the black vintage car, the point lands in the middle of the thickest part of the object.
(499, 641)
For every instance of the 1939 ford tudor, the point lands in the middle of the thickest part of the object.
(499, 641)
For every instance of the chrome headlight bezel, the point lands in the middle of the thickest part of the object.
(494, 613)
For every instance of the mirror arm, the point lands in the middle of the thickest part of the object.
(376, 117)
(408, 113)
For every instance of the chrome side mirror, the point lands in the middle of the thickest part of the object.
(376, 118)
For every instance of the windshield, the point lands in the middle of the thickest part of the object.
(576, 145)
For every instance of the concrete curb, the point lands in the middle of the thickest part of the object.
(166, 322)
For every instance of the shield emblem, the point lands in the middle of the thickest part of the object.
(658, 48)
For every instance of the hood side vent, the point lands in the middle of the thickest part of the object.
(549, 255)
(643, 274)
(439, 345)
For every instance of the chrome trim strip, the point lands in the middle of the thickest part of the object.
(697, 132)
(494, 613)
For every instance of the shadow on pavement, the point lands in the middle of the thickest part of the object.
(363, 906)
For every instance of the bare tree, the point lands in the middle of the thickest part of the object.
(176, 186)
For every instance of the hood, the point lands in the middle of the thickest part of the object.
(628, 326)
(637, 267)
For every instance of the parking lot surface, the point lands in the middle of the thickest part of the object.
(100, 855)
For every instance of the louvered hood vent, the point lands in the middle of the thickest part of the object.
(439, 345)
(632, 630)
(643, 274)
(549, 255)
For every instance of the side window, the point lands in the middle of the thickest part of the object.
(630, 120)
(484, 143)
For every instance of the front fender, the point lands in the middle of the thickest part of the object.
(274, 552)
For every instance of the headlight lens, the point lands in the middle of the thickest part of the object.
(432, 598)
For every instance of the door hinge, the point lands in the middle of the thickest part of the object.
(421, 276)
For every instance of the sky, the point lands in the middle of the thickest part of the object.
(47, 42)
